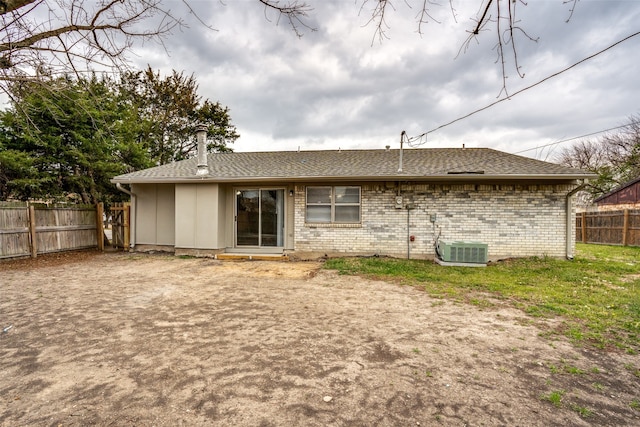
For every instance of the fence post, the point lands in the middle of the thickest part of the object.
(584, 227)
(625, 227)
(100, 225)
(125, 220)
(32, 231)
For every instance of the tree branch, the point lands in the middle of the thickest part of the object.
(476, 31)
(7, 6)
(294, 11)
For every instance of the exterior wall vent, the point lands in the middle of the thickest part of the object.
(463, 252)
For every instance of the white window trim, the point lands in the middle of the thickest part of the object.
(333, 203)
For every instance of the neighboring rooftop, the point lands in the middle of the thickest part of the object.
(629, 192)
(455, 164)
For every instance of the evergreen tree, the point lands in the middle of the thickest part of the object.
(169, 110)
(70, 137)
(64, 141)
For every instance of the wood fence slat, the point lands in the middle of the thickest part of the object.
(119, 214)
(32, 232)
(32, 229)
(625, 227)
(14, 224)
(15, 230)
(126, 227)
(100, 226)
(44, 229)
(611, 227)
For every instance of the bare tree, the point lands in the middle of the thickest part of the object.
(498, 17)
(45, 37)
(507, 27)
(615, 157)
(40, 39)
(294, 12)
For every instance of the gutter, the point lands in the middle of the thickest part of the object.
(459, 177)
(132, 224)
(124, 190)
(568, 220)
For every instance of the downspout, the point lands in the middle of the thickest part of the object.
(408, 233)
(132, 224)
(569, 223)
(409, 208)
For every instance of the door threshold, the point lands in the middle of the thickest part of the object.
(256, 251)
(252, 257)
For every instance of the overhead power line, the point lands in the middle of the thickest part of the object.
(571, 139)
(422, 135)
(478, 163)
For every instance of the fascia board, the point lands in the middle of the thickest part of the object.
(449, 178)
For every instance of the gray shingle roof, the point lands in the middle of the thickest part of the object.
(456, 164)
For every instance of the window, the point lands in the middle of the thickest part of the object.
(333, 204)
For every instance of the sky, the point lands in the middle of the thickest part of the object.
(339, 87)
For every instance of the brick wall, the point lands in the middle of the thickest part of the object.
(514, 220)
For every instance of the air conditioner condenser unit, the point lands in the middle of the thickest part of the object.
(463, 252)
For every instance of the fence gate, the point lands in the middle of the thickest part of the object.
(119, 219)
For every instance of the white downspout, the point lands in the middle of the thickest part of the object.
(408, 232)
(410, 207)
(132, 222)
(569, 220)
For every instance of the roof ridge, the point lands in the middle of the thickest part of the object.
(358, 164)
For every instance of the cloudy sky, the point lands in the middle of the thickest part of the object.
(340, 87)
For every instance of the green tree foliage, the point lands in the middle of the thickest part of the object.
(63, 140)
(70, 137)
(169, 110)
(17, 173)
(614, 157)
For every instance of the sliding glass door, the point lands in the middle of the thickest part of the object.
(260, 217)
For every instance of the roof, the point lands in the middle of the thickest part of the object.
(627, 196)
(424, 164)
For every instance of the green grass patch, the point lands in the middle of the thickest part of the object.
(635, 371)
(597, 294)
(573, 370)
(554, 397)
(582, 411)
(566, 369)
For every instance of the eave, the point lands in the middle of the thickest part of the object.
(473, 177)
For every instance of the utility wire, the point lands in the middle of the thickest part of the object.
(480, 163)
(571, 139)
(422, 135)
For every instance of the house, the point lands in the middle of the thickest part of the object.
(626, 196)
(309, 204)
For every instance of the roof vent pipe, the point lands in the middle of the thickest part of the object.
(201, 137)
(401, 141)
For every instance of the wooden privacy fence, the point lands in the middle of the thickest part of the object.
(611, 227)
(119, 214)
(29, 229)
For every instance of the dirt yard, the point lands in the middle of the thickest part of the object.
(123, 340)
